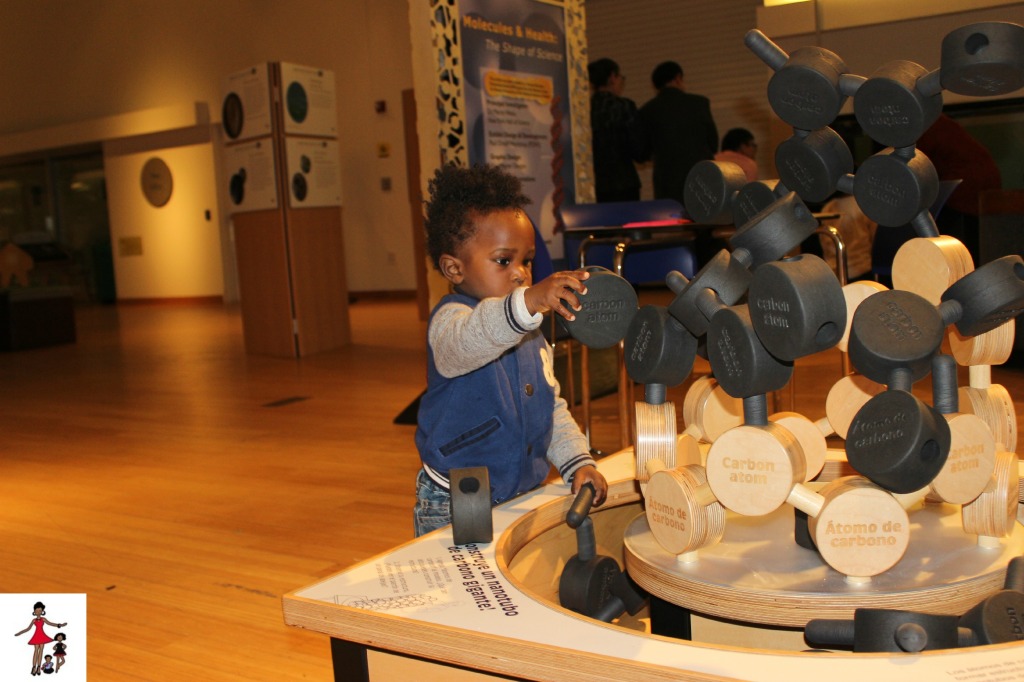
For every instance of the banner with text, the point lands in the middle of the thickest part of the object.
(516, 89)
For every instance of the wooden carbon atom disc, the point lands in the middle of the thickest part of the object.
(861, 530)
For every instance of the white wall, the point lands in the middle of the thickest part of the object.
(69, 63)
(181, 249)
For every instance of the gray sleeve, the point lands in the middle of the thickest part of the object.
(463, 339)
(569, 449)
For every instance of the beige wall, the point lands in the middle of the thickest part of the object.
(706, 38)
(869, 35)
(76, 71)
(180, 255)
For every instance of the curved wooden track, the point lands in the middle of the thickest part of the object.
(758, 574)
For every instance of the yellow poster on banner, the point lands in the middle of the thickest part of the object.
(534, 88)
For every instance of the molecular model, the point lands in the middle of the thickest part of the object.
(754, 311)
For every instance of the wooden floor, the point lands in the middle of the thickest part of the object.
(185, 486)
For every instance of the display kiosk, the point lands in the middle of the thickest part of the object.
(444, 612)
(283, 181)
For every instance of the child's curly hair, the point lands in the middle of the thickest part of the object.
(456, 194)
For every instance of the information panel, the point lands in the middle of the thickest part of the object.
(252, 183)
(245, 111)
(314, 174)
(517, 100)
(309, 99)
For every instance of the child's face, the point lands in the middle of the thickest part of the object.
(497, 258)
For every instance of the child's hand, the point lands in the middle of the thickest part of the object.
(590, 474)
(557, 293)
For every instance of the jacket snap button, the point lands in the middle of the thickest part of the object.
(529, 389)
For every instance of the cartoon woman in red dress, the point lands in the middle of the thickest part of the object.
(39, 638)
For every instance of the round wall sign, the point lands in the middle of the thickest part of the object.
(237, 187)
(233, 115)
(296, 102)
(157, 183)
(300, 188)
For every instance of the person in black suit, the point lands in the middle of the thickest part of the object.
(679, 128)
(680, 131)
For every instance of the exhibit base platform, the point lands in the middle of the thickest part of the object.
(760, 575)
(432, 610)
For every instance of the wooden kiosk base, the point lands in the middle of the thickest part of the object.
(431, 610)
(758, 579)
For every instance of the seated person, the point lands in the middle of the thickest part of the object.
(738, 147)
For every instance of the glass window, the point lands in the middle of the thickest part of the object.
(56, 210)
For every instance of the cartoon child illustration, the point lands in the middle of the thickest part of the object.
(59, 649)
(39, 637)
(48, 664)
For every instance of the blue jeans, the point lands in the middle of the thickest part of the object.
(433, 505)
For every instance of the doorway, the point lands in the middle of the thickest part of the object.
(55, 209)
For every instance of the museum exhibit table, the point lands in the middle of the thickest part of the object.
(438, 611)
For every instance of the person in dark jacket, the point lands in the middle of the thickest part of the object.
(680, 130)
(617, 138)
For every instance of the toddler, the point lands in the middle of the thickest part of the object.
(492, 399)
